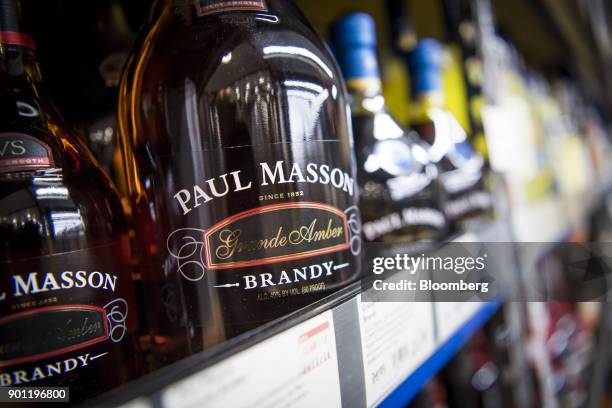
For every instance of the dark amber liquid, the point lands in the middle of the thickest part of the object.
(60, 218)
(207, 95)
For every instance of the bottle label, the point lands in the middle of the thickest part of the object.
(84, 325)
(466, 196)
(408, 218)
(20, 152)
(62, 312)
(205, 7)
(284, 219)
(475, 201)
(237, 241)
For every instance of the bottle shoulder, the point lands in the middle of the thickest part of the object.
(44, 213)
(387, 153)
(380, 127)
(257, 70)
(216, 49)
(61, 204)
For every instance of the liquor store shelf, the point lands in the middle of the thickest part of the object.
(324, 360)
(413, 384)
(342, 351)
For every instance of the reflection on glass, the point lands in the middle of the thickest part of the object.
(57, 193)
(280, 50)
(224, 93)
(66, 222)
(399, 195)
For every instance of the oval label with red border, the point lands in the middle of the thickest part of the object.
(21, 152)
(276, 233)
(204, 7)
(48, 331)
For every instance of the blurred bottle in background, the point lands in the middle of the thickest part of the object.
(400, 198)
(433, 395)
(403, 36)
(472, 376)
(462, 36)
(574, 167)
(90, 102)
(461, 168)
(401, 39)
(114, 37)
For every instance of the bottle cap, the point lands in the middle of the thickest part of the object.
(9, 18)
(353, 39)
(425, 64)
(10, 31)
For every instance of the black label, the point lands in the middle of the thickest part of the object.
(267, 217)
(19, 152)
(55, 307)
(204, 7)
(50, 331)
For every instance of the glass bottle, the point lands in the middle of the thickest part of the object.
(67, 309)
(468, 203)
(238, 150)
(400, 198)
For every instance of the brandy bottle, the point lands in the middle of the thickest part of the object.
(238, 149)
(67, 310)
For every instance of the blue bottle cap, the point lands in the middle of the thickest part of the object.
(425, 64)
(353, 40)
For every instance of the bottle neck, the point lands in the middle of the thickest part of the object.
(359, 65)
(17, 57)
(366, 94)
(424, 102)
(18, 62)
(19, 72)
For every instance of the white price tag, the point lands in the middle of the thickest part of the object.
(450, 316)
(396, 338)
(297, 368)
